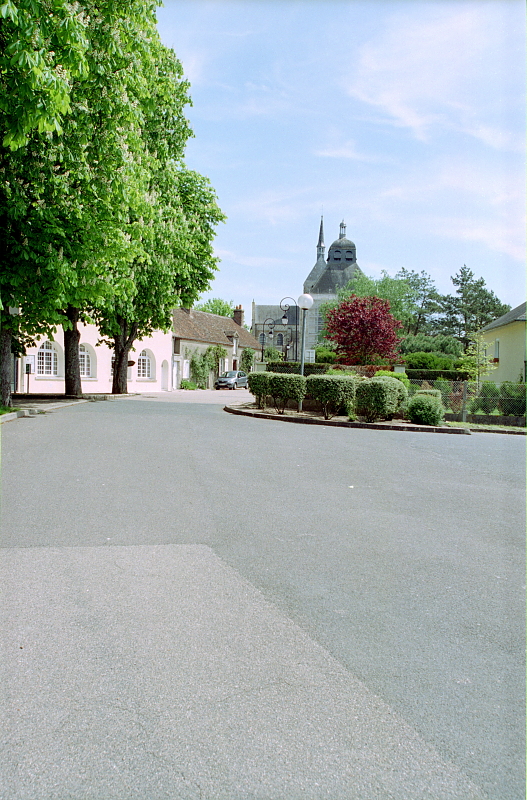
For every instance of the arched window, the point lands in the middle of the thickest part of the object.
(337, 255)
(84, 362)
(144, 365)
(280, 339)
(349, 255)
(47, 360)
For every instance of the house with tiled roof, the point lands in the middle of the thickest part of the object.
(157, 363)
(195, 331)
(506, 342)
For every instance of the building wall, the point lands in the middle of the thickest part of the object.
(158, 348)
(508, 344)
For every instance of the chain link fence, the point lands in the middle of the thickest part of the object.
(468, 399)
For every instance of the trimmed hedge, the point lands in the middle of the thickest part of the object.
(425, 409)
(430, 393)
(434, 374)
(259, 386)
(332, 392)
(512, 399)
(284, 387)
(400, 387)
(400, 376)
(377, 398)
(293, 368)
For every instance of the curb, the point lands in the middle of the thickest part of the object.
(383, 426)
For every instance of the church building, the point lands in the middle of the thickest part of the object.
(272, 325)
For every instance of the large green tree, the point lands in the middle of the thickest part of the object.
(42, 50)
(215, 305)
(468, 310)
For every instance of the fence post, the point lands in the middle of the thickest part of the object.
(464, 406)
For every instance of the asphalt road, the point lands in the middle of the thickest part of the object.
(209, 606)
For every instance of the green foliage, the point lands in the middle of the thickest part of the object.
(272, 354)
(247, 359)
(421, 343)
(215, 353)
(43, 48)
(332, 392)
(185, 384)
(428, 361)
(512, 399)
(472, 307)
(200, 367)
(430, 392)
(398, 292)
(445, 389)
(400, 376)
(424, 409)
(283, 387)
(259, 386)
(324, 355)
(377, 398)
(475, 360)
(487, 399)
(434, 374)
(293, 368)
(399, 386)
(215, 305)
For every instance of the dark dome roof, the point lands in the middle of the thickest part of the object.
(342, 243)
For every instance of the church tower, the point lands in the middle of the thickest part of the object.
(341, 266)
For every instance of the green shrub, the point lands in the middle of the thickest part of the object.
(332, 391)
(430, 392)
(428, 361)
(511, 401)
(400, 376)
(425, 409)
(247, 359)
(293, 368)
(284, 387)
(259, 386)
(187, 384)
(487, 399)
(445, 388)
(433, 374)
(377, 398)
(323, 355)
(400, 389)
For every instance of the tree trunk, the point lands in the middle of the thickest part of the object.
(122, 344)
(5, 367)
(72, 370)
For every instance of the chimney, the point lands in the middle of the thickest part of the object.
(238, 316)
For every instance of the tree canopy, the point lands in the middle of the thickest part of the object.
(215, 305)
(101, 219)
(364, 330)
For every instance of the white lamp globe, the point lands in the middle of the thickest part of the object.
(305, 301)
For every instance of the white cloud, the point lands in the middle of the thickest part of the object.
(348, 150)
(441, 66)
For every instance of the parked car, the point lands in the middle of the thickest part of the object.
(231, 380)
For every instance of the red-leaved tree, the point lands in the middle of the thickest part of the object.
(363, 330)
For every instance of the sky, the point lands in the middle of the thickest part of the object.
(404, 119)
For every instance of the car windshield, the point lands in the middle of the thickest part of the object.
(229, 375)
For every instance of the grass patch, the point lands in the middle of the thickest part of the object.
(482, 426)
(6, 410)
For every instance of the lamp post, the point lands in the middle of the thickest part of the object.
(271, 330)
(305, 301)
(285, 308)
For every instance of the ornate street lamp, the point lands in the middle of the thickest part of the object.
(285, 308)
(270, 332)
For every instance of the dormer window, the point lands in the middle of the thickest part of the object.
(349, 255)
(337, 255)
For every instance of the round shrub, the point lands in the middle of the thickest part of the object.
(400, 376)
(425, 409)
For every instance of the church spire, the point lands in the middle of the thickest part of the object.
(342, 234)
(320, 246)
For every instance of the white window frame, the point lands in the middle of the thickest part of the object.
(47, 361)
(144, 366)
(84, 362)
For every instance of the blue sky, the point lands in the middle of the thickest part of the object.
(405, 119)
